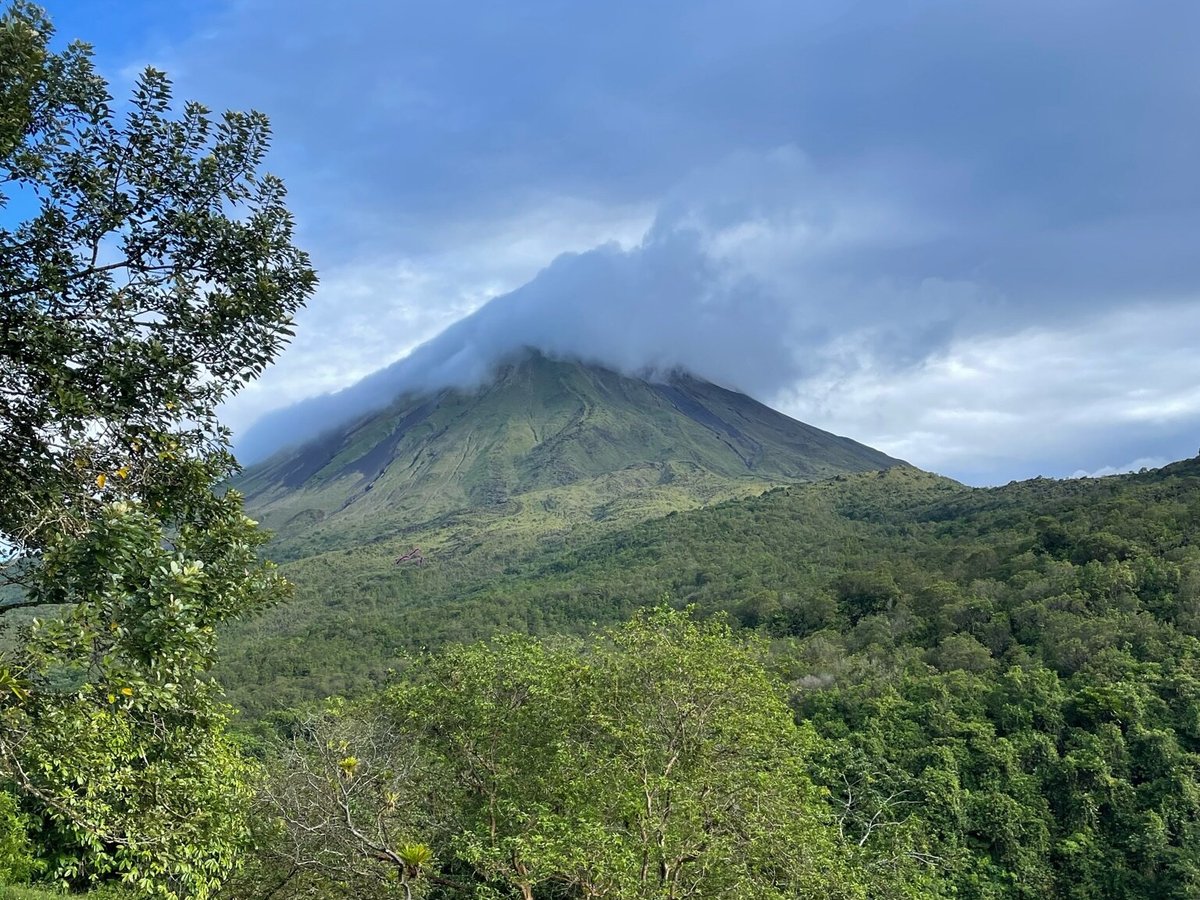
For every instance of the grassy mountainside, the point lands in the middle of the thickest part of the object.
(561, 436)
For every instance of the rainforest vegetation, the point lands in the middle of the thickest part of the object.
(997, 692)
(981, 693)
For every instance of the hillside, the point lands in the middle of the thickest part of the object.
(544, 432)
(1010, 677)
(548, 454)
(776, 562)
(997, 690)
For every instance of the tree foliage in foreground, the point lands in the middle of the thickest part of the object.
(147, 272)
(658, 761)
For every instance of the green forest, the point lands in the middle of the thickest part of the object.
(911, 687)
(877, 684)
(1008, 678)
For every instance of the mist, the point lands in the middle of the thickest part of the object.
(662, 305)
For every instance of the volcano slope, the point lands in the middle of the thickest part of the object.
(541, 433)
(547, 454)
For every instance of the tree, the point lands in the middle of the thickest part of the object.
(155, 276)
(147, 272)
(660, 761)
(346, 810)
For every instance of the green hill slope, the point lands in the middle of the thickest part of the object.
(794, 561)
(549, 454)
(559, 441)
(1008, 678)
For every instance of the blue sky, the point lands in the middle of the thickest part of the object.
(963, 233)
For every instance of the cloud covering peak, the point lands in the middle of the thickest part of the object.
(807, 201)
(734, 281)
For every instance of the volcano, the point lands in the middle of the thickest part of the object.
(554, 432)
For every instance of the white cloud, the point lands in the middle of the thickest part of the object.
(370, 313)
(987, 405)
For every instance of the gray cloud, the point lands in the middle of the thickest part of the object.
(729, 282)
(1003, 122)
(1046, 400)
(841, 194)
